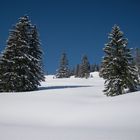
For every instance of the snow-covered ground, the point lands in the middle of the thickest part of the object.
(69, 109)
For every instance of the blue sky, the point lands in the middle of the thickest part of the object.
(77, 27)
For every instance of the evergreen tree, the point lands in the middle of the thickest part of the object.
(63, 71)
(94, 67)
(72, 72)
(137, 59)
(85, 67)
(101, 70)
(77, 71)
(117, 67)
(20, 63)
(97, 68)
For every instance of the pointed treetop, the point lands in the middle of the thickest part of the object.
(115, 32)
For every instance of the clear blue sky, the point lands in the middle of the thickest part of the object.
(77, 27)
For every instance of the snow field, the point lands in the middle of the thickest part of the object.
(69, 109)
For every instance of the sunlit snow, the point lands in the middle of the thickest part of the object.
(69, 109)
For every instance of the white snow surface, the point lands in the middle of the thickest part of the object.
(69, 109)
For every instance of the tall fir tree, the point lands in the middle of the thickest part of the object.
(117, 66)
(20, 63)
(63, 70)
(85, 67)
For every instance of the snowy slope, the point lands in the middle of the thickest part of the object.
(69, 109)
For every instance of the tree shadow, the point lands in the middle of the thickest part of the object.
(61, 87)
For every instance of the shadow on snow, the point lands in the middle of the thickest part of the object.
(60, 87)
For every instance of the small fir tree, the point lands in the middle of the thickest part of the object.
(85, 67)
(117, 66)
(63, 71)
(72, 72)
(94, 67)
(77, 71)
(20, 66)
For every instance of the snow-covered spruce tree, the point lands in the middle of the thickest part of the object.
(117, 66)
(85, 67)
(137, 59)
(20, 63)
(63, 70)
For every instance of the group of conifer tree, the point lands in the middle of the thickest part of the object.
(81, 70)
(119, 68)
(21, 61)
